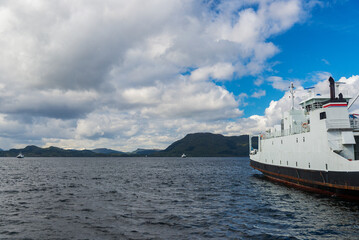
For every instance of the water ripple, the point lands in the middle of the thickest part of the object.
(160, 198)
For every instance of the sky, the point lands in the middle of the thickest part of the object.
(143, 74)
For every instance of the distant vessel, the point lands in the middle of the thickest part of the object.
(20, 155)
(183, 155)
(315, 148)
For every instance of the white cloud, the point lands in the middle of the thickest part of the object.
(195, 100)
(259, 94)
(279, 83)
(128, 73)
(325, 61)
(259, 81)
(350, 89)
(219, 71)
(145, 95)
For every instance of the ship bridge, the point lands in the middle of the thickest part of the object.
(318, 101)
(314, 102)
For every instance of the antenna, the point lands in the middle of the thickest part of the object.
(310, 91)
(353, 101)
(292, 93)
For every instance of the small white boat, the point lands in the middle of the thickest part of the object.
(20, 155)
(183, 155)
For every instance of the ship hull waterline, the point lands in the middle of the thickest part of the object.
(337, 184)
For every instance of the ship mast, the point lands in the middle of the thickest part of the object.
(292, 93)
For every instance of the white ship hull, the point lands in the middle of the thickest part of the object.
(318, 154)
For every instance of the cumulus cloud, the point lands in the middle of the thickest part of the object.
(278, 83)
(220, 71)
(123, 74)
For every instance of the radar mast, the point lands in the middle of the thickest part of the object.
(292, 94)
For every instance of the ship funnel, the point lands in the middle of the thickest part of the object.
(332, 88)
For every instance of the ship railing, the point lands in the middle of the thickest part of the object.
(313, 106)
(287, 132)
(354, 123)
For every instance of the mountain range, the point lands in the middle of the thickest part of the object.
(193, 145)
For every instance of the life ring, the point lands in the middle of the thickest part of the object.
(304, 125)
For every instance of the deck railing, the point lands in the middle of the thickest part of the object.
(287, 132)
(354, 123)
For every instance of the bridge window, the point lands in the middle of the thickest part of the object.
(322, 115)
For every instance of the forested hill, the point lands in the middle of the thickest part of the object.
(208, 145)
(34, 151)
(193, 145)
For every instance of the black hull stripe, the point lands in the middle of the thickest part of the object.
(311, 178)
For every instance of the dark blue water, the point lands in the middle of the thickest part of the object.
(160, 198)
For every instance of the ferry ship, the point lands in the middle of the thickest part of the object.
(315, 148)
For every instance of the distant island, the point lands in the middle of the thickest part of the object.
(193, 145)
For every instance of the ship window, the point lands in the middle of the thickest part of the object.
(326, 166)
(280, 162)
(287, 163)
(272, 142)
(296, 164)
(303, 139)
(281, 141)
(322, 115)
(297, 139)
(309, 165)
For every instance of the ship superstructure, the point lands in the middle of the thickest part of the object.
(315, 147)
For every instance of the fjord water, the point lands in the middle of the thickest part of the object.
(160, 198)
